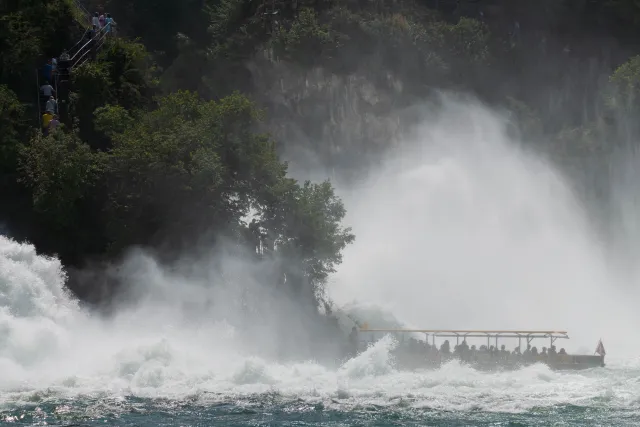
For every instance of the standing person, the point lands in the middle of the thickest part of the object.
(53, 124)
(95, 20)
(101, 20)
(54, 66)
(110, 23)
(48, 70)
(46, 119)
(47, 89)
(90, 34)
(52, 105)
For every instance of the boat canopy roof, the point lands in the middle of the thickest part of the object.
(464, 333)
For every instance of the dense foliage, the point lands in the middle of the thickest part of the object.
(165, 141)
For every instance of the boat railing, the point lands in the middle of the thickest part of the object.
(463, 334)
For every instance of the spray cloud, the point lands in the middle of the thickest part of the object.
(464, 228)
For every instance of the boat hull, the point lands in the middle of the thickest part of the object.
(488, 363)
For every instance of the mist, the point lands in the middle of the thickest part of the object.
(463, 227)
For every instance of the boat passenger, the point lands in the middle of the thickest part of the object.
(562, 351)
(473, 353)
(552, 351)
(516, 351)
(463, 350)
(445, 348)
(493, 351)
(544, 352)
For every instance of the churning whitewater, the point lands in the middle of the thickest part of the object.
(461, 229)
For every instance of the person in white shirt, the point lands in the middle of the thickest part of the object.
(95, 20)
(47, 89)
(52, 105)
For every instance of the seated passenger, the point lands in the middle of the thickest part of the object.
(534, 351)
(492, 351)
(552, 351)
(562, 351)
(544, 352)
(516, 351)
(444, 348)
(463, 350)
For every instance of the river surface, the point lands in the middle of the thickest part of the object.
(354, 395)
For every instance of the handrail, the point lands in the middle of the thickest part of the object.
(82, 51)
(79, 54)
(476, 333)
(84, 9)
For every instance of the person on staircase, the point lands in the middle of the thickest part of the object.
(90, 33)
(53, 124)
(51, 106)
(109, 25)
(95, 20)
(48, 71)
(46, 120)
(46, 92)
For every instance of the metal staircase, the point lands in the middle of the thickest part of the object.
(84, 50)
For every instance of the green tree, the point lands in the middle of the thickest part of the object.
(191, 167)
(306, 39)
(624, 91)
(123, 75)
(28, 31)
(303, 227)
(188, 153)
(12, 124)
(65, 179)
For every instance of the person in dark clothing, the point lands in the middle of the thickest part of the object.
(90, 34)
(48, 71)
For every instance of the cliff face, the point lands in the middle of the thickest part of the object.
(330, 121)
